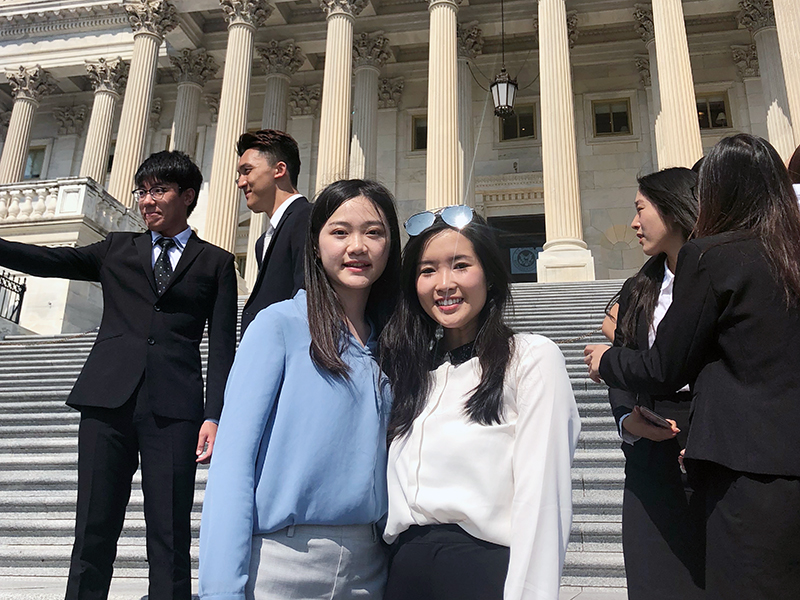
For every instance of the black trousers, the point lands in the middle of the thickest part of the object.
(444, 562)
(752, 534)
(110, 442)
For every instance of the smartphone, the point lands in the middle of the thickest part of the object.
(655, 418)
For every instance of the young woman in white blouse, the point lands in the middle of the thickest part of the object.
(483, 430)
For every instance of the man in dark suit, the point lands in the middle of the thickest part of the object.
(269, 163)
(140, 392)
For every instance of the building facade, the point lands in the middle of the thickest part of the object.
(395, 90)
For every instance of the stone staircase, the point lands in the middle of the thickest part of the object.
(38, 447)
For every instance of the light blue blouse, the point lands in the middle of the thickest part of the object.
(295, 445)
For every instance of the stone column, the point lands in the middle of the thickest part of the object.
(193, 68)
(469, 38)
(565, 256)
(759, 18)
(243, 17)
(390, 92)
(643, 14)
(787, 18)
(304, 104)
(280, 60)
(370, 52)
(443, 172)
(334, 125)
(108, 78)
(681, 146)
(150, 20)
(27, 87)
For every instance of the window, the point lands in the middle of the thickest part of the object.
(419, 132)
(35, 162)
(612, 117)
(520, 125)
(111, 152)
(713, 111)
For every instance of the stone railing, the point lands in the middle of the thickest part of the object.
(68, 198)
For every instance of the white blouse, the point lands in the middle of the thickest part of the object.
(506, 483)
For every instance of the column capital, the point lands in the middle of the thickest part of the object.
(71, 119)
(746, 60)
(572, 27)
(305, 100)
(212, 101)
(283, 57)
(248, 12)
(756, 14)
(643, 15)
(154, 120)
(154, 17)
(109, 75)
(371, 49)
(643, 65)
(194, 66)
(350, 8)
(390, 91)
(470, 39)
(453, 3)
(30, 84)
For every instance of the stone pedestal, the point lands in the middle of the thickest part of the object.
(193, 69)
(788, 24)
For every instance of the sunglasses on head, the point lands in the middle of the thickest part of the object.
(456, 216)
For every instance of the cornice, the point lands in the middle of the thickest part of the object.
(88, 18)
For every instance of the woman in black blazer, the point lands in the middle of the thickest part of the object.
(661, 537)
(729, 333)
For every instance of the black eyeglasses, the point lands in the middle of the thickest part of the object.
(156, 193)
(456, 216)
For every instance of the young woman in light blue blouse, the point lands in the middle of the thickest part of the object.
(298, 478)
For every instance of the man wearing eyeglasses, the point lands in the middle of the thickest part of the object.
(140, 392)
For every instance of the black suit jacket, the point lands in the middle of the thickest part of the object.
(282, 272)
(729, 333)
(142, 333)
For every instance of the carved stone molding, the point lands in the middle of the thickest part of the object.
(31, 84)
(756, 14)
(156, 17)
(643, 15)
(194, 66)
(108, 74)
(212, 101)
(746, 60)
(154, 122)
(47, 21)
(347, 7)
(305, 99)
(390, 91)
(71, 119)
(572, 27)
(470, 39)
(283, 57)
(249, 12)
(371, 49)
(643, 65)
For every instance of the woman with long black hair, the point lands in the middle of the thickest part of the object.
(729, 333)
(661, 537)
(484, 426)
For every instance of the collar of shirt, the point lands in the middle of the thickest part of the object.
(278, 214)
(180, 240)
(796, 187)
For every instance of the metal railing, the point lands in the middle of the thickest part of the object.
(12, 291)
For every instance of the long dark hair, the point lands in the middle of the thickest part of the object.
(745, 187)
(407, 355)
(671, 193)
(794, 166)
(325, 313)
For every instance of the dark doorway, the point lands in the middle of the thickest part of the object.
(521, 239)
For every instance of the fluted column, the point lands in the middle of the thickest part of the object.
(643, 14)
(565, 256)
(280, 60)
(243, 17)
(759, 18)
(443, 172)
(334, 124)
(682, 146)
(787, 18)
(470, 43)
(27, 87)
(370, 52)
(193, 68)
(108, 79)
(150, 20)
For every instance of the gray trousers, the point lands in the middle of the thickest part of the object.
(325, 562)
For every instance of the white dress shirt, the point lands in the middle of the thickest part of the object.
(796, 187)
(274, 220)
(175, 252)
(506, 483)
